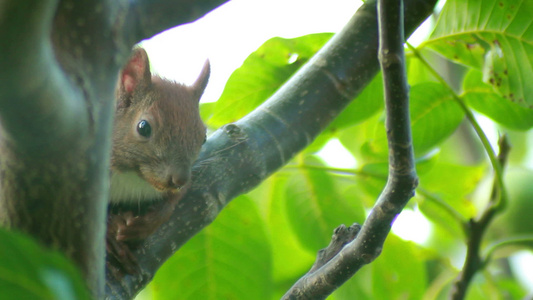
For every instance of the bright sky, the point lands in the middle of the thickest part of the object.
(230, 33)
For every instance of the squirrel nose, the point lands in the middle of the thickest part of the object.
(177, 180)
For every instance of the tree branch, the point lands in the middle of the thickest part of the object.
(26, 56)
(46, 160)
(146, 18)
(239, 156)
(402, 179)
(477, 228)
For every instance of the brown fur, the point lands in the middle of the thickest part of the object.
(154, 167)
(165, 158)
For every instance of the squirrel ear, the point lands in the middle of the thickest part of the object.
(199, 85)
(135, 72)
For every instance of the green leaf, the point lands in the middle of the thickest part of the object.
(418, 72)
(434, 117)
(207, 110)
(511, 288)
(452, 184)
(363, 107)
(374, 180)
(355, 137)
(262, 73)
(425, 163)
(316, 206)
(294, 260)
(399, 272)
(483, 98)
(447, 232)
(515, 219)
(230, 259)
(490, 288)
(493, 36)
(443, 197)
(28, 271)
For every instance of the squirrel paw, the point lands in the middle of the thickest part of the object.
(140, 227)
(125, 230)
(119, 255)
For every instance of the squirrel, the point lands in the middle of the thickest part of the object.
(157, 136)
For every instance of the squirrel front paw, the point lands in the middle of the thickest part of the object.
(139, 227)
(125, 230)
(120, 259)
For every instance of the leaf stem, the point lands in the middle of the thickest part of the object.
(528, 238)
(426, 194)
(477, 128)
(477, 228)
(346, 171)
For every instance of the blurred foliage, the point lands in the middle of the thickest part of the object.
(264, 241)
(28, 271)
(207, 266)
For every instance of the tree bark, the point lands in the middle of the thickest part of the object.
(60, 61)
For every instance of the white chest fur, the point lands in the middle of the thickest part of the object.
(129, 187)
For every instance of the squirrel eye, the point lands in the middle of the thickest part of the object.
(144, 128)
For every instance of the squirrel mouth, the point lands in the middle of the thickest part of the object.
(175, 190)
(163, 188)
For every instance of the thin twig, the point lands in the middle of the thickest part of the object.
(474, 262)
(402, 180)
(476, 228)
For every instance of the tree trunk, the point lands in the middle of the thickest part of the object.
(60, 61)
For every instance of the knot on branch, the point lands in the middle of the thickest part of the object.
(341, 85)
(388, 58)
(234, 131)
(342, 235)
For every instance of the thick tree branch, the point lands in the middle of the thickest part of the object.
(60, 61)
(146, 18)
(239, 156)
(402, 179)
(33, 80)
(477, 228)
(46, 159)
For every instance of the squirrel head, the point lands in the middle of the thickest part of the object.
(157, 131)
